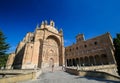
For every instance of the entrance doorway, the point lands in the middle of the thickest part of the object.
(51, 62)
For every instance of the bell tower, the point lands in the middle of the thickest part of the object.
(80, 37)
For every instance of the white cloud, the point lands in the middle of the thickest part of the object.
(11, 49)
(67, 42)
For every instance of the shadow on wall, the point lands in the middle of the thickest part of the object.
(40, 53)
(17, 63)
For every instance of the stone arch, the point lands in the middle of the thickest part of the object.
(70, 61)
(74, 62)
(77, 61)
(54, 38)
(81, 61)
(86, 61)
(51, 49)
(92, 62)
(104, 59)
(97, 59)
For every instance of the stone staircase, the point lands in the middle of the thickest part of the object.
(59, 76)
(49, 69)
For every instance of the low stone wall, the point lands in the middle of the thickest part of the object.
(111, 69)
(95, 74)
(16, 71)
(21, 77)
(18, 78)
(72, 71)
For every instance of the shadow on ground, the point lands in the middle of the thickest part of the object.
(98, 79)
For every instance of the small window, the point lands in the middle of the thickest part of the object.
(76, 48)
(95, 43)
(85, 46)
(70, 49)
(104, 56)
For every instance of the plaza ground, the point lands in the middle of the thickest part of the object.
(60, 76)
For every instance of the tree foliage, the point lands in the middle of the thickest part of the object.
(116, 42)
(4, 46)
(3, 60)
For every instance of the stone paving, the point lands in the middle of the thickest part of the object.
(59, 76)
(0, 76)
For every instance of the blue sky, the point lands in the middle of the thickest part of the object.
(90, 17)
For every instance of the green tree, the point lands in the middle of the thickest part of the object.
(4, 46)
(116, 42)
(3, 60)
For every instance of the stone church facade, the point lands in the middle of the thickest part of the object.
(39, 49)
(45, 47)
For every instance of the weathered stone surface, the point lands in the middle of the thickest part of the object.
(10, 61)
(39, 49)
(45, 47)
(63, 77)
(95, 52)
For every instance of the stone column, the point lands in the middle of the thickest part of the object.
(94, 60)
(101, 60)
(61, 52)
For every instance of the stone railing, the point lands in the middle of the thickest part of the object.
(18, 78)
(95, 74)
(12, 71)
(23, 76)
(104, 68)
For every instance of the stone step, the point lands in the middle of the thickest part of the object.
(48, 69)
(63, 77)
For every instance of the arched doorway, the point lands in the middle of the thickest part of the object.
(77, 61)
(97, 59)
(70, 61)
(92, 60)
(51, 62)
(104, 59)
(86, 61)
(74, 62)
(81, 61)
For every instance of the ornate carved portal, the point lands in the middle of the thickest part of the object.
(51, 55)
